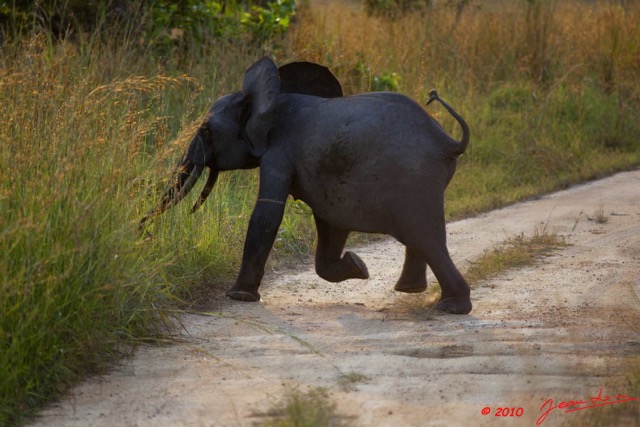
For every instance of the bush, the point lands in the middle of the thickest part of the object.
(156, 22)
(387, 81)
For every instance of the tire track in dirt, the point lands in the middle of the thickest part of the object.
(560, 329)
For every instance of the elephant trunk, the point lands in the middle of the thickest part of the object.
(187, 175)
(206, 190)
(460, 146)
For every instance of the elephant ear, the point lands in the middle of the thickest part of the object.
(261, 87)
(307, 78)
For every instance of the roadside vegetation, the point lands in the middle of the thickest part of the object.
(549, 88)
(313, 408)
(96, 115)
(515, 252)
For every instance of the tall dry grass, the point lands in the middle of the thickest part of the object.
(550, 89)
(489, 43)
(86, 146)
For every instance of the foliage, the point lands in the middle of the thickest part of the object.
(387, 81)
(171, 21)
(361, 75)
(161, 23)
(275, 18)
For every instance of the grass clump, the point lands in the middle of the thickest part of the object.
(599, 216)
(347, 381)
(515, 252)
(311, 409)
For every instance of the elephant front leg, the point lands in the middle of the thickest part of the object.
(414, 273)
(263, 228)
(331, 265)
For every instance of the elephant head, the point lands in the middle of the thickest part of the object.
(234, 134)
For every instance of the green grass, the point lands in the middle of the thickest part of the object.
(92, 128)
(516, 252)
(311, 409)
(82, 152)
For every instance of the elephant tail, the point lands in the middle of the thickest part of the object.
(460, 146)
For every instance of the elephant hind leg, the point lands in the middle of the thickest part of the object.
(413, 279)
(455, 297)
(331, 265)
(432, 246)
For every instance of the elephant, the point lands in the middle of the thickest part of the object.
(374, 162)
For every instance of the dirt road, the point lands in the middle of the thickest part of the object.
(559, 330)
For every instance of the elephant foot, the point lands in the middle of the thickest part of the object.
(240, 294)
(454, 305)
(410, 287)
(350, 266)
(358, 268)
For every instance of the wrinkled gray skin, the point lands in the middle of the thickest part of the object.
(374, 162)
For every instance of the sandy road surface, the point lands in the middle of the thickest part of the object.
(561, 330)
